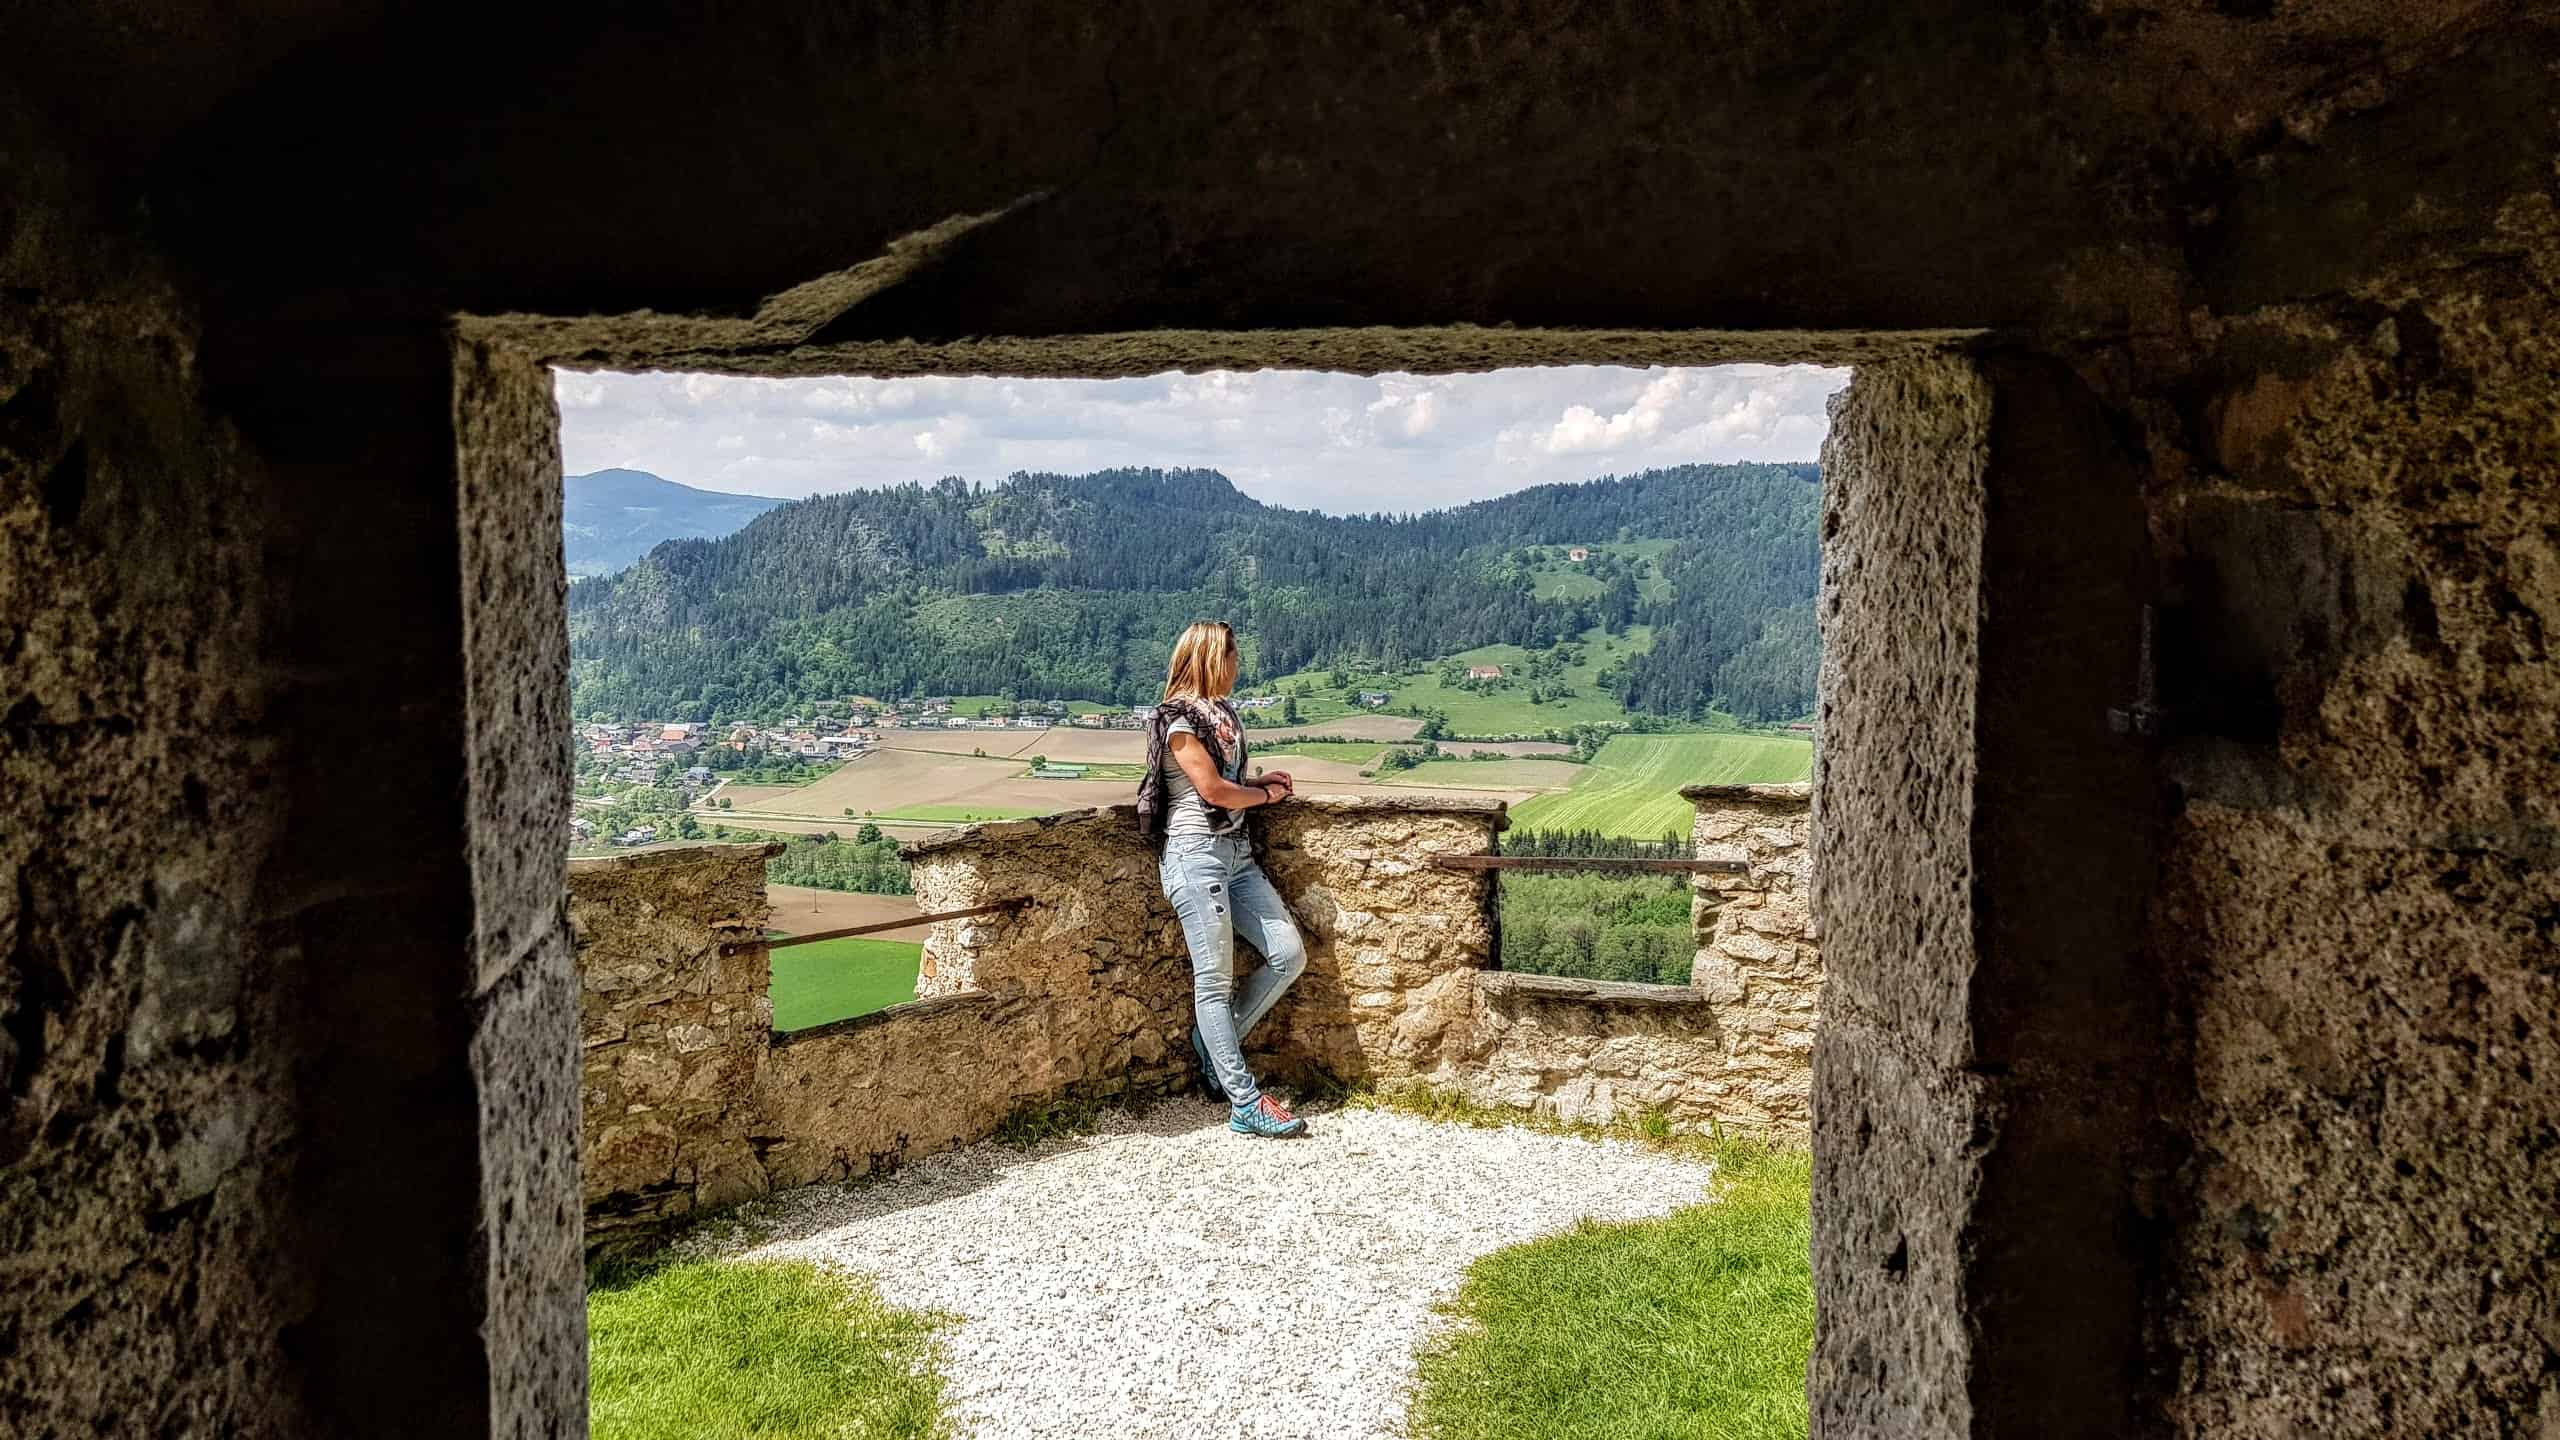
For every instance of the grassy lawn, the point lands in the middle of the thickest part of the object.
(1556, 576)
(1632, 787)
(703, 1350)
(1698, 1324)
(839, 979)
(1504, 711)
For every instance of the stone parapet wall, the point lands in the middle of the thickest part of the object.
(1394, 943)
(673, 1033)
(1732, 1050)
(1759, 947)
(1390, 938)
(1083, 988)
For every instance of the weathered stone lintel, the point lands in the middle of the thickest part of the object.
(710, 853)
(1794, 795)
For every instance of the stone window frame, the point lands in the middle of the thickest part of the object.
(1939, 479)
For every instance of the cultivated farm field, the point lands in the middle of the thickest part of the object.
(998, 744)
(806, 910)
(1521, 774)
(933, 786)
(1366, 726)
(1632, 787)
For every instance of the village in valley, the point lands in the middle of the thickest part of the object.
(692, 762)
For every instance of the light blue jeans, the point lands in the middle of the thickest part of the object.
(1220, 893)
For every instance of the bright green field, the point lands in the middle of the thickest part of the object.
(1632, 787)
(839, 979)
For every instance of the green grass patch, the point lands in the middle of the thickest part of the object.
(839, 979)
(1632, 787)
(709, 1350)
(1049, 1118)
(1698, 1324)
(1556, 575)
(1695, 1326)
(1501, 710)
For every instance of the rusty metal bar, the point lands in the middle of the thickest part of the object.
(741, 946)
(1594, 862)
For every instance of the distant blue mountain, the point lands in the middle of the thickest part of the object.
(613, 517)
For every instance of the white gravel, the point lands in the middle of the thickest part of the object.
(1162, 1277)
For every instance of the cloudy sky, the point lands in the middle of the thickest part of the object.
(1311, 440)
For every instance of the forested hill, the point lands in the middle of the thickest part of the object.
(1071, 586)
(610, 518)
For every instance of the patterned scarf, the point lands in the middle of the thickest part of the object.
(1153, 806)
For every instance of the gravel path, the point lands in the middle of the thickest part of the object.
(1162, 1277)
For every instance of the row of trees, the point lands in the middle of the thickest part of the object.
(1597, 927)
(1588, 843)
(868, 864)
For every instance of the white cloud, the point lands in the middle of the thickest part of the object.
(1303, 438)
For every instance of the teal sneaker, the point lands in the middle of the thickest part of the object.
(1208, 1072)
(1266, 1117)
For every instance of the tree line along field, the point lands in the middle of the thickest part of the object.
(1632, 787)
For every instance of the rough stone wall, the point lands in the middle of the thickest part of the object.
(1759, 951)
(1390, 939)
(1084, 991)
(244, 908)
(1393, 941)
(2360, 893)
(1593, 1051)
(1895, 1167)
(147, 1041)
(672, 1032)
(1398, 988)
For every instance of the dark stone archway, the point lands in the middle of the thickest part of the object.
(2242, 316)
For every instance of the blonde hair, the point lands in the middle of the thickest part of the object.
(1204, 662)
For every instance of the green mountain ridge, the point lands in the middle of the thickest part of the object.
(1071, 586)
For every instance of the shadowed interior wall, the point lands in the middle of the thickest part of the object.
(147, 1033)
(2361, 890)
(280, 620)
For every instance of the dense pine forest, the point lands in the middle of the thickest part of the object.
(1057, 586)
